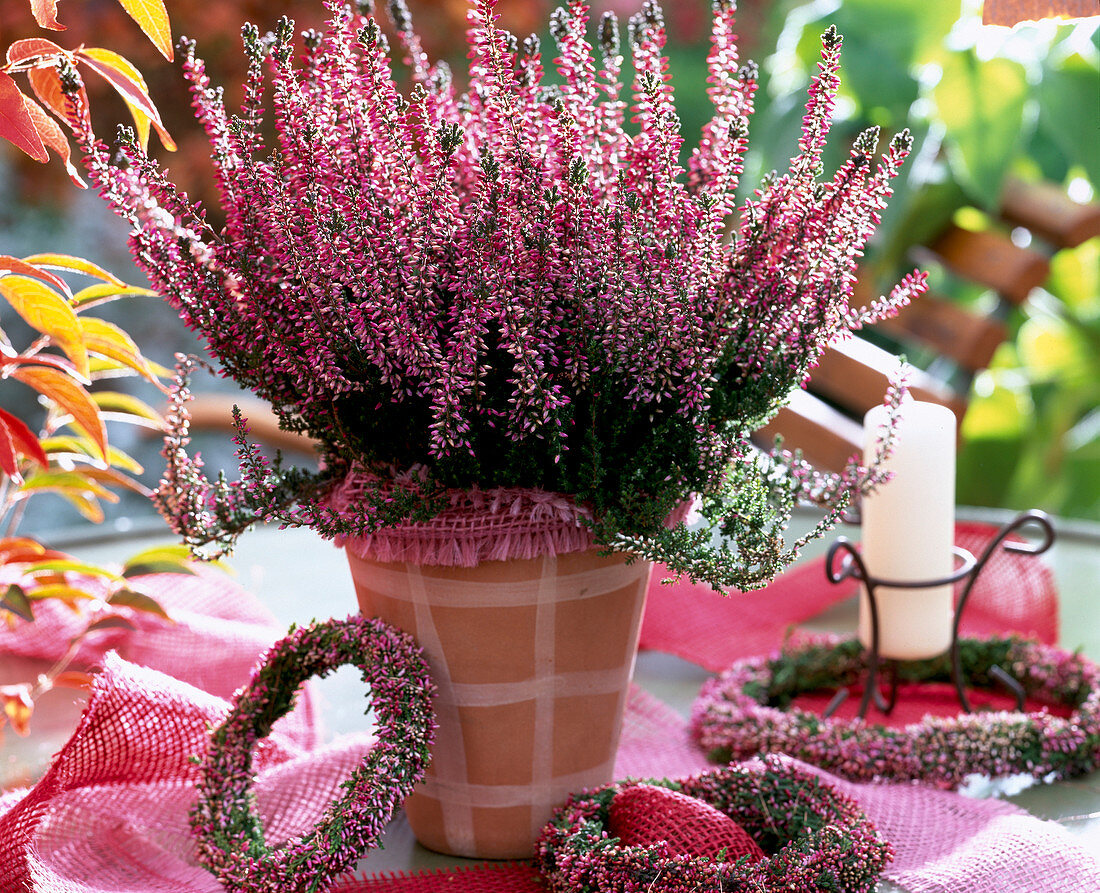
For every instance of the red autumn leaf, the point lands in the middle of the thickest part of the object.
(54, 138)
(9, 459)
(16, 125)
(30, 47)
(45, 13)
(24, 439)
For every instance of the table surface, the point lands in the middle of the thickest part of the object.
(300, 577)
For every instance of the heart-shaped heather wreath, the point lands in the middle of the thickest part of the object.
(746, 711)
(815, 838)
(231, 838)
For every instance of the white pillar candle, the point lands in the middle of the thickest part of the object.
(908, 531)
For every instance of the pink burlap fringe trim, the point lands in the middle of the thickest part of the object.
(501, 524)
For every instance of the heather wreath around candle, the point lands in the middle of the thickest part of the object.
(506, 283)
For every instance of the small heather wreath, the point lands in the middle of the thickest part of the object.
(231, 838)
(816, 838)
(747, 711)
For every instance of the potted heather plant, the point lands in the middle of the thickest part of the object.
(523, 338)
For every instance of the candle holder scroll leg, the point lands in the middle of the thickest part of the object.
(1042, 521)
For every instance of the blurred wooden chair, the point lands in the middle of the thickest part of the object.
(213, 411)
(824, 421)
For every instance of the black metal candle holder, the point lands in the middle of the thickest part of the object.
(853, 567)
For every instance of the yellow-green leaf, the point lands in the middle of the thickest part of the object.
(65, 483)
(119, 402)
(152, 18)
(71, 397)
(46, 311)
(82, 447)
(107, 339)
(70, 566)
(103, 292)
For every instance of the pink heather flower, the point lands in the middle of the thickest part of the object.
(517, 284)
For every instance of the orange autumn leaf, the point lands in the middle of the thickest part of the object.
(16, 125)
(70, 396)
(152, 18)
(47, 87)
(45, 13)
(18, 706)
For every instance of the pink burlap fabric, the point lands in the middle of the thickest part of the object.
(1014, 593)
(110, 814)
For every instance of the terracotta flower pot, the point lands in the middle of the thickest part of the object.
(533, 658)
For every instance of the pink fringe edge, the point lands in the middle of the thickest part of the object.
(501, 524)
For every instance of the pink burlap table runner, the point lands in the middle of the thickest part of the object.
(110, 814)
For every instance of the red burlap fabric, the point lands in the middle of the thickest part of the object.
(646, 815)
(1014, 593)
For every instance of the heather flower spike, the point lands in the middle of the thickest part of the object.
(515, 285)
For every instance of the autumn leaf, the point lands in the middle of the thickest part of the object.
(35, 48)
(9, 460)
(139, 601)
(47, 87)
(130, 85)
(108, 340)
(74, 264)
(152, 18)
(45, 13)
(79, 448)
(23, 438)
(69, 566)
(126, 407)
(53, 137)
(15, 600)
(62, 592)
(17, 265)
(102, 293)
(48, 312)
(70, 396)
(16, 125)
(112, 621)
(110, 477)
(18, 706)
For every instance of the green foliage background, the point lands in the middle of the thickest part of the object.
(983, 103)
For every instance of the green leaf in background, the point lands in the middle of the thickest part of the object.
(883, 42)
(982, 107)
(1069, 112)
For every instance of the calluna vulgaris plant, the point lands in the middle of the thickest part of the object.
(516, 285)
